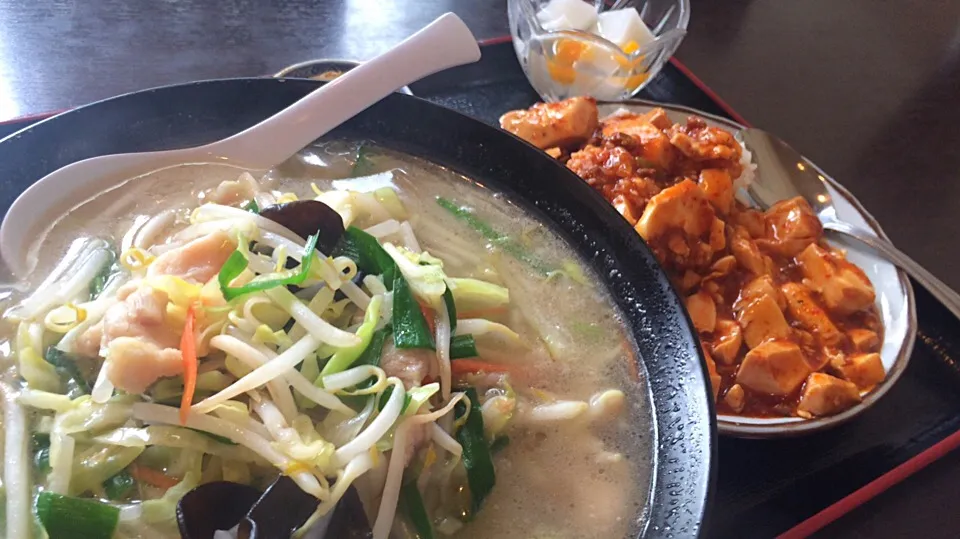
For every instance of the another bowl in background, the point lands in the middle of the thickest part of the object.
(567, 63)
(323, 70)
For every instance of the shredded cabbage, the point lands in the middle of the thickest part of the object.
(38, 373)
(480, 326)
(474, 294)
(419, 396)
(177, 438)
(165, 508)
(44, 400)
(497, 412)
(97, 464)
(91, 417)
(423, 273)
(344, 357)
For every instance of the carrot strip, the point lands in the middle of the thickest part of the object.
(152, 477)
(429, 316)
(470, 366)
(188, 348)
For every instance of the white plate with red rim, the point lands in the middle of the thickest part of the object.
(894, 296)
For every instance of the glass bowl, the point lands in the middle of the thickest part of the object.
(568, 63)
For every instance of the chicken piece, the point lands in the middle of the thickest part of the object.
(682, 216)
(843, 287)
(718, 186)
(826, 395)
(746, 252)
(805, 310)
(139, 345)
(198, 260)
(411, 366)
(651, 145)
(702, 311)
(791, 226)
(715, 379)
(864, 370)
(735, 398)
(141, 315)
(88, 342)
(775, 367)
(134, 364)
(545, 125)
(758, 310)
(864, 340)
(759, 287)
(727, 341)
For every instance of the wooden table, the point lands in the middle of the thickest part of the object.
(868, 90)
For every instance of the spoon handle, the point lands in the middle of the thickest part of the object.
(939, 289)
(444, 43)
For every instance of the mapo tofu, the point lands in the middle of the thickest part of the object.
(789, 326)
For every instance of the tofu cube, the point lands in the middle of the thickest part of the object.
(762, 320)
(702, 311)
(727, 341)
(864, 340)
(864, 370)
(827, 395)
(804, 309)
(715, 379)
(774, 367)
(843, 287)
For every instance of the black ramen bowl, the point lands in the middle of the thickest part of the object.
(667, 350)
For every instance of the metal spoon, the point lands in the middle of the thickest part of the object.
(787, 174)
(444, 43)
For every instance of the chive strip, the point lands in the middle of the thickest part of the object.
(102, 277)
(214, 437)
(451, 309)
(385, 397)
(410, 329)
(463, 346)
(66, 367)
(252, 207)
(41, 446)
(41, 460)
(499, 444)
(362, 165)
(118, 486)
(235, 265)
(476, 452)
(367, 252)
(412, 503)
(508, 245)
(66, 517)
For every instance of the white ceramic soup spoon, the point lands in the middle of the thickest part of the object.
(444, 43)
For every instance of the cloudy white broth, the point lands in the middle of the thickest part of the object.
(375, 328)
